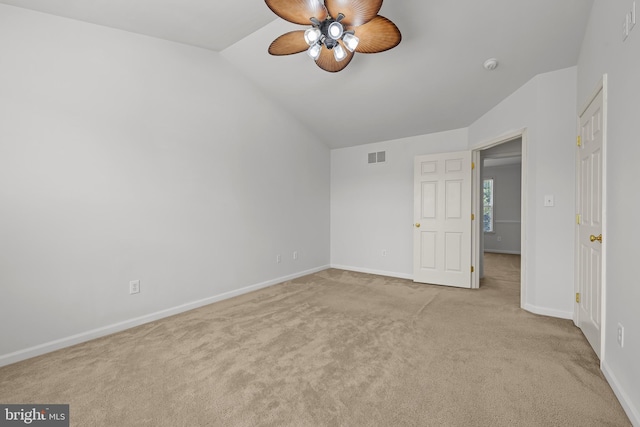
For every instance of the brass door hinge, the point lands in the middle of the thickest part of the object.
(579, 141)
(473, 217)
(578, 297)
(578, 219)
(472, 269)
(473, 165)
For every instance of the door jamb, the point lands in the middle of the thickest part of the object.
(476, 197)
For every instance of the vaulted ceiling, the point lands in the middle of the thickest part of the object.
(433, 81)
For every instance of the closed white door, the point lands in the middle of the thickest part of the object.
(590, 162)
(442, 219)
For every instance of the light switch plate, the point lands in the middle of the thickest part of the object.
(548, 201)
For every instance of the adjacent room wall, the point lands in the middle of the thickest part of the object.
(545, 107)
(604, 51)
(505, 237)
(126, 157)
(372, 204)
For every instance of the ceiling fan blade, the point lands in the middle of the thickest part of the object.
(298, 11)
(327, 62)
(356, 12)
(289, 43)
(377, 35)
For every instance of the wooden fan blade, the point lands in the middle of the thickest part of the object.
(327, 62)
(298, 11)
(356, 12)
(377, 35)
(289, 43)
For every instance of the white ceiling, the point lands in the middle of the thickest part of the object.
(433, 81)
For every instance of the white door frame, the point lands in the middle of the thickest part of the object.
(476, 232)
(602, 86)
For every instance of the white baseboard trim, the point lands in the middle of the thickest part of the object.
(549, 312)
(371, 271)
(38, 350)
(499, 251)
(632, 411)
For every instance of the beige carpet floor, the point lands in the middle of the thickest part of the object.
(335, 348)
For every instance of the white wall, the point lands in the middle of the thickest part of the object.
(545, 106)
(372, 204)
(505, 237)
(126, 157)
(603, 51)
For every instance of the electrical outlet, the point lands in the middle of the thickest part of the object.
(295, 254)
(499, 238)
(134, 287)
(278, 259)
(620, 335)
(384, 252)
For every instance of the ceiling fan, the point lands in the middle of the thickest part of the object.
(339, 28)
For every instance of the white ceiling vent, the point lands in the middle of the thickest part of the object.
(379, 157)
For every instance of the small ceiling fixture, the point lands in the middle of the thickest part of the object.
(491, 64)
(338, 29)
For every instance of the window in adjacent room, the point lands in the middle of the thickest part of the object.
(487, 200)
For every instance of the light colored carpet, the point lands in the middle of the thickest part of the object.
(335, 348)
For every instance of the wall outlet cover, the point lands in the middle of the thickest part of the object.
(134, 287)
(620, 335)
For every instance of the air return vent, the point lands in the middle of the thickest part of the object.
(379, 157)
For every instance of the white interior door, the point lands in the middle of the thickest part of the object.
(442, 215)
(590, 176)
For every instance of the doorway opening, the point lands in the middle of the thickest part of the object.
(499, 204)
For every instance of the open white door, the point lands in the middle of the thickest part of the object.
(590, 220)
(442, 214)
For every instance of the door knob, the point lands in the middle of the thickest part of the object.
(594, 238)
(417, 224)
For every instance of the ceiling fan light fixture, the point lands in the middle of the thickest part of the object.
(314, 51)
(312, 35)
(350, 41)
(339, 53)
(334, 24)
(335, 30)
